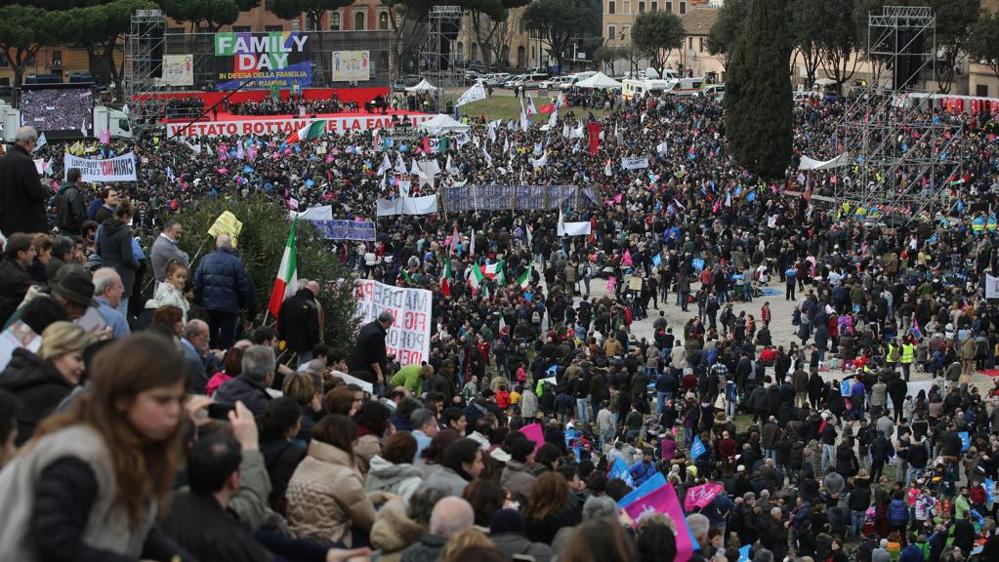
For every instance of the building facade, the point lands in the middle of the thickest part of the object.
(619, 16)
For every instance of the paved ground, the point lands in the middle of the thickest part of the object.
(781, 330)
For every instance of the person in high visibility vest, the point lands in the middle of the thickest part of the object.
(892, 356)
(907, 356)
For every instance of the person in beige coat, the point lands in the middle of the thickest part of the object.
(326, 498)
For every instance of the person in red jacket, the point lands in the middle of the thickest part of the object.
(503, 397)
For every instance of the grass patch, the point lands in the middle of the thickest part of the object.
(508, 107)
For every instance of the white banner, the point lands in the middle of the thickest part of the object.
(351, 66)
(812, 164)
(634, 163)
(991, 287)
(178, 70)
(324, 213)
(409, 337)
(271, 125)
(573, 229)
(425, 205)
(120, 168)
(475, 93)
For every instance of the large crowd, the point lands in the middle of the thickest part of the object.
(829, 373)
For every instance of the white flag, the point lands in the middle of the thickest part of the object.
(531, 110)
(489, 159)
(414, 168)
(662, 148)
(540, 162)
(524, 123)
(41, 142)
(475, 93)
(386, 165)
(553, 120)
(400, 165)
(607, 169)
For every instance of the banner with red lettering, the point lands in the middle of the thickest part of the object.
(593, 129)
(284, 126)
(409, 337)
(121, 168)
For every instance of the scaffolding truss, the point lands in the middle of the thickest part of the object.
(903, 159)
(144, 68)
(439, 57)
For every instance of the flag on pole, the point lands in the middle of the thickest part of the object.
(386, 165)
(312, 130)
(287, 275)
(525, 278)
(454, 240)
(476, 278)
(471, 245)
(525, 124)
(531, 110)
(475, 93)
(42, 141)
(917, 332)
(446, 278)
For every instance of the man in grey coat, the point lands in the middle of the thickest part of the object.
(165, 250)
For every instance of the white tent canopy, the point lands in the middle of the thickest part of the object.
(423, 86)
(441, 123)
(598, 81)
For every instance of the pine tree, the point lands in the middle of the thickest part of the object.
(758, 104)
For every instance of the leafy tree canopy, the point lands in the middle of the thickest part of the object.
(655, 34)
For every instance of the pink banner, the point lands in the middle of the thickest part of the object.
(664, 501)
(700, 496)
(534, 433)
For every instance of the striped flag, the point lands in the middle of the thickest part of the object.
(312, 130)
(917, 332)
(287, 275)
(446, 278)
(525, 278)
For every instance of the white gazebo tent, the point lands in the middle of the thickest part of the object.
(598, 81)
(443, 124)
(423, 86)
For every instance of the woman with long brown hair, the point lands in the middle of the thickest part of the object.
(599, 540)
(550, 509)
(89, 483)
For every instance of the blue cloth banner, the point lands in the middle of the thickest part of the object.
(744, 553)
(697, 263)
(965, 440)
(697, 449)
(657, 259)
(346, 230)
(515, 197)
(989, 486)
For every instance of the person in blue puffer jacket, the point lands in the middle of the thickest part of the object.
(223, 288)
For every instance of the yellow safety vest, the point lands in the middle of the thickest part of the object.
(890, 357)
(907, 352)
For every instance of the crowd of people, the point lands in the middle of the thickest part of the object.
(849, 420)
(293, 106)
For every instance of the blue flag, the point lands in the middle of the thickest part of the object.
(647, 487)
(698, 448)
(965, 440)
(620, 470)
(744, 553)
(657, 259)
(989, 486)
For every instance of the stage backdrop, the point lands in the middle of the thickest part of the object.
(277, 58)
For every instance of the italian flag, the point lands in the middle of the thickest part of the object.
(525, 278)
(476, 279)
(287, 276)
(495, 271)
(445, 278)
(313, 130)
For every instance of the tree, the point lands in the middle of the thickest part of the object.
(313, 9)
(489, 19)
(608, 55)
(212, 13)
(727, 29)
(655, 35)
(261, 245)
(836, 38)
(805, 24)
(408, 20)
(100, 30)
(758, 106)
(954, 21)
(24, 30)
(983, 41)
(862, 9)
(557, 21)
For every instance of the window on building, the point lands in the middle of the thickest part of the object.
(4, 61)
(273, 28)
(611, 33)
(641, 7)
(359, 21)
(383, 21)
(239, 29)
(690, 43)
(701, 46)
(981, 90)
(669, 7)
(335, 21)
(611, 8)
(57, 58)
(654, 6)
(626, 31)
(683, 7)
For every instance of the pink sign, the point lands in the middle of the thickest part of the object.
(701, 496)
(534, 433)
(664, 501)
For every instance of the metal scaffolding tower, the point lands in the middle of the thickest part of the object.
(144, 68)
(439, 56)
(902, 157)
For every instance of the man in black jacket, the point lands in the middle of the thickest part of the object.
(14, 278)
(298, 322)
(70, 209)
(22, 195)
(369, 351)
